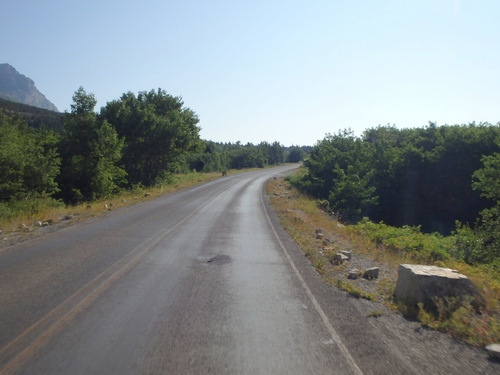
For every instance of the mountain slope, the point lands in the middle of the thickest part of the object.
(17, 87)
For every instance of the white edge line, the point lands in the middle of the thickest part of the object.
(314, 301)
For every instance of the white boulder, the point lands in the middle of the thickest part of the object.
(423, 284)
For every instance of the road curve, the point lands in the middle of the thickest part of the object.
(202, 281)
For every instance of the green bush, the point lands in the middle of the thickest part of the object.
(407, 241)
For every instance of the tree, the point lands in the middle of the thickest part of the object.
(295, 155)
(91, 150)
(159, 134)
(29, 162)
(487, 180)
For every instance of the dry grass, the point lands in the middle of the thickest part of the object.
(301, 217)
(24, 225)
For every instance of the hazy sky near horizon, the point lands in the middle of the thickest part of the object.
(268, 70)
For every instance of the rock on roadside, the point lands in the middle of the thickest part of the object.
(422, 284)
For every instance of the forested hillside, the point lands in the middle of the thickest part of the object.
(35, 117)
(136, 140)
(442, 179)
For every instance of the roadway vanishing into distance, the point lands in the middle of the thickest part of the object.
(201, 281)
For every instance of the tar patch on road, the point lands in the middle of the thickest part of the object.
(220, 259)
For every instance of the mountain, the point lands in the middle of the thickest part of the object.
(17, 87)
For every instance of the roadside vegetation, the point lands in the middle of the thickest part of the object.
(53, 161)
(387, 247)
(427, 196)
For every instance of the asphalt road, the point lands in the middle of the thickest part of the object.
(202, 281)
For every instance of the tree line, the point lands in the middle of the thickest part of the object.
(136, 140)
(443, 179)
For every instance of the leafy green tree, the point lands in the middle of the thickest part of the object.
(339, 171)
(351, 195)
(248, 156)
(295, 155)
(91, 151)
(273, 154)
(29, 162)
(487, 233)
(159, 134)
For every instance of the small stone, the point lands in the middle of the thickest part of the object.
(319, 230)
(124, 201)
(347, 253)
(371, 273)
(353, 274)
(339, 258)
(493, 350)
(39, 223)
(147, 195)
(319, 236)
(136, 197)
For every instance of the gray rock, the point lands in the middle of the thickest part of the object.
(353, 274)
(423, 284)
(493, 350)
(347, 253)
(26, 228)
(339, 258)
(371, 273)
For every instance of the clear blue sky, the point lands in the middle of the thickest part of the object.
(267, 70)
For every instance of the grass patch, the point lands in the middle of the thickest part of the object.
(374, 314)
(355, 292)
